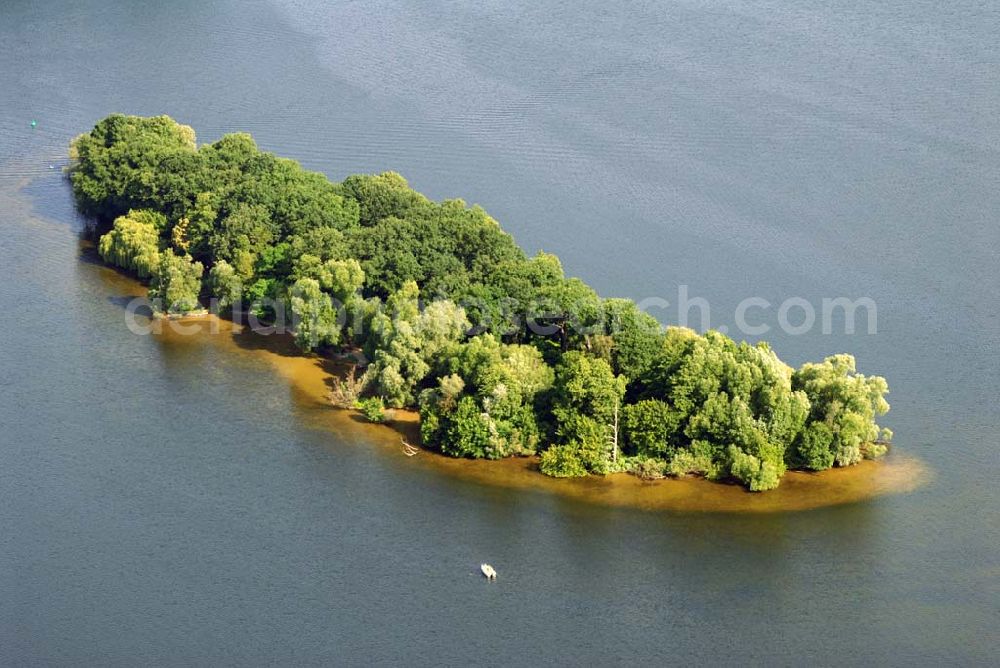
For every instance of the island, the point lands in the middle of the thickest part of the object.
(500, 353)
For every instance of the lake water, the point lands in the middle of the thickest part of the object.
(170, 502)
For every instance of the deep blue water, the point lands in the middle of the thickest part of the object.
(173, 505)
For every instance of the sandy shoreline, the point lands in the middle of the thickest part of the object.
(310, 378)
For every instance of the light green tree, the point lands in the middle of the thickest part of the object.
(225, 284)
(405, 340)
(133, 243)
(382, 195)
(176, 283)
(315, 318)
(847, 404)
(502, 381)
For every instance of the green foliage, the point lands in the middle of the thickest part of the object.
(813, 447)
(651, 427)
(637, 337)
(176, 283)
(405, 340)
(199, 223)
(562, 461)
(315, 318)
(846, 403)
(728, 395)
(325, 243)
(241, 237)
(373, 408)
(259, 294)
(134, 242)
(700, 458)
(341, 278)
(585, 386)
(758, 475)
(117, 166)
(571, 307)
(649, 468)
(467, 431)
(296, 200)
(225, 284)
(501, 381)
(504, 353)
(586, 397)
(382, 196)
(873, 450)
(447, 249)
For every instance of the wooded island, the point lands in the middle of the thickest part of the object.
(500, 352)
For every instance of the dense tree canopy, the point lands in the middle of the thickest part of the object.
(502, 353)
(490, 387)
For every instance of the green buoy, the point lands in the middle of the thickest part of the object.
(34, 123)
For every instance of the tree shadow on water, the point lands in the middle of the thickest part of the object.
(142, 310)
(51, 199)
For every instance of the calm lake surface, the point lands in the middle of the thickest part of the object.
(172, 503)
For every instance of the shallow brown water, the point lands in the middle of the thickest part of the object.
(311, 378)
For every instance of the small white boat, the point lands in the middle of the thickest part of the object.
(488, 571)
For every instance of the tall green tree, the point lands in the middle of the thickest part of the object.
(134, 242)
(225, 285)
(316, 322)
(586, 402)
(404, 340)
(843, 407)
(176, 283)
(117, 165)
(242, 237)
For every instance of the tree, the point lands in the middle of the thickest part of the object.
(637, 337)
(512, 291)
(813, 447)
(570, 308)
(134, 242)
(734, 400)
(341, 278)
(373, 408)
(382, 196)
(441, 323)
(325, 243)
(115, 167)
(467, 432)
(176, 283)
(448, 249)
(503, 381)
(315, 318)
(199, 223)
(404, 342)
(225, 284)
(241, 237)
(563, 461)
(651, 427)
(586, 396)
(847, 404)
